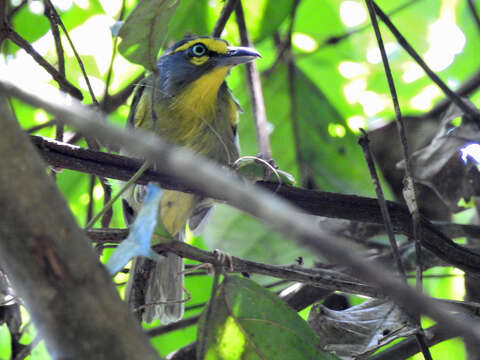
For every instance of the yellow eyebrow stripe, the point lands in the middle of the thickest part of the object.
(215, 45)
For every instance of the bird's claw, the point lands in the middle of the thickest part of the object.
(224, 258)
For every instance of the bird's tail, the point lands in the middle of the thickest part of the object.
(155, 288)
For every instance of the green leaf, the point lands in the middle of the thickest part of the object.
(145, 31)
(226, 230)
(274, 14)
(189, 18)
(249, 322)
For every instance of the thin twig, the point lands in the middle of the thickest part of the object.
(474, 13)
(49, 13)
(112, 58)
(328, 279)
(77, 56)
(305, 178)
(324, 278)
(409, 187)
(409, 190)
(209, 313)
(92, 143)
(113, 102)
(194, 307)
(224, 16)
(91, 199)
(334, 40)
(16, 9)
(182, 324)
(364, 141)
(286, 48)
(107, 196)
(255, 90)
(469, 86)
(474, 114)
(61, 80)
(108, 205)
(36, 128)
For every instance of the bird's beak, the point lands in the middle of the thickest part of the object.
(238, 55)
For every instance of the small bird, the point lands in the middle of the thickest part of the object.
(194, 108)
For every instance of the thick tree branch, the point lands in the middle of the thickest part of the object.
(333, 205)
(51, 265)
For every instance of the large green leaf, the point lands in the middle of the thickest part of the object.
(145, 31)
(237, 233)
(274, 13)
(327, 149)
(190, 18)
(249, 322)
(264, 17)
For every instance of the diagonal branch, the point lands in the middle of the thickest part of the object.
(224, 16)
(13, 36)
(218, 183)
(474, 114)
(59, 21)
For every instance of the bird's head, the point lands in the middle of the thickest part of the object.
(195, 58)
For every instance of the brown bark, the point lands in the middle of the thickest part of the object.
(52, 265)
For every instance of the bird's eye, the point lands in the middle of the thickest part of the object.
(198, 50)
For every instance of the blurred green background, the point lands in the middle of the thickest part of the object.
(339, 85)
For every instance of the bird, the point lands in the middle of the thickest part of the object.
(188, 103)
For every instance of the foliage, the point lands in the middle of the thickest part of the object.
(322, 80)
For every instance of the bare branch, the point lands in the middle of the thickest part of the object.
(255, 89)
(364, 141)
(61, 80)
(475, 115)
(410, 192)
(474, 13)
(224, 16)
(59, 21)
(341, 206)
